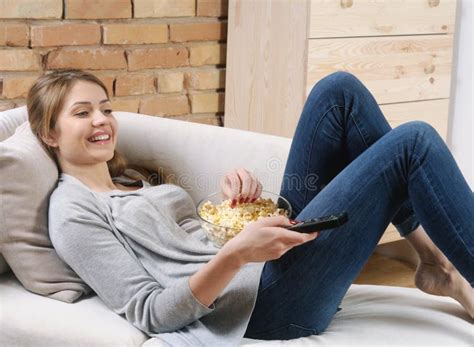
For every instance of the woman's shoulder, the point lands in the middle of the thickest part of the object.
(71, 191)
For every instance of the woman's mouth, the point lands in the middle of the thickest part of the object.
(100, 139)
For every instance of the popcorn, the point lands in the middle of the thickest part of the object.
(230, 221)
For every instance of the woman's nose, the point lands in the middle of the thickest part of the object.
(99, 118)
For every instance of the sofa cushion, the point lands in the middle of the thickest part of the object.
(378, 315)
(28, 319)
(371, 315)
(28, 177)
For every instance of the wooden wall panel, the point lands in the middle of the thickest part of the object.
(267, 60)
(395, 69)
(349, 18)
(391, 234)
(400, 49)
(434, 112)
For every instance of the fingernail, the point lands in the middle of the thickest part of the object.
(292, 221)
(233, 202)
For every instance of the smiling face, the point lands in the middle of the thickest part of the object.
(86, 130)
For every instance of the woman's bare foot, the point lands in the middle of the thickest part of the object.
(436, 275)
(440, 277)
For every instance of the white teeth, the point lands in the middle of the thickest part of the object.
(99, 138)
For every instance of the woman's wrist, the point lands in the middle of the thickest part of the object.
(233, 255)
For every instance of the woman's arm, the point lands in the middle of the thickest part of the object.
(207, 283)
(258, 242)
(83, 239)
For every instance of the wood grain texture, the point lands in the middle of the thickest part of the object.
(382, 270)
(266, 65)
(395, 69)
(391, 234)
(349, 18)
(434, 112)
(400, 49)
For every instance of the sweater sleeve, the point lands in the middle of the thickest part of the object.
(84, 240)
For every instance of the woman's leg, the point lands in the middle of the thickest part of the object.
(340, 120)
(332, 252)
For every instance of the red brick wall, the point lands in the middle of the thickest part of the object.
(157, 57)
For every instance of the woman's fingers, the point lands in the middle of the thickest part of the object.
(246, 180)
(253, 188)
(258, 191)
(231, 185)
(241, 185)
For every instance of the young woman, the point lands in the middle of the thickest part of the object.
(142, 250)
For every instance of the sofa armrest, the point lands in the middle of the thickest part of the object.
(196, 156)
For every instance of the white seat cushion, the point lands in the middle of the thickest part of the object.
(371, 315)
(28, 319)
(391, 316)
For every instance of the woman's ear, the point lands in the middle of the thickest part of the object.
(50, 140)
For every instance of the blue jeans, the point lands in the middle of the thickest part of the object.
(357, 163)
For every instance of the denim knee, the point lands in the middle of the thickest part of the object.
(419, 131)
(339, 79)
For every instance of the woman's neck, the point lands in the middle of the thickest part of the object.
(96, 178)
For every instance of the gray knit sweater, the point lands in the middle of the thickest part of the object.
(137, 250)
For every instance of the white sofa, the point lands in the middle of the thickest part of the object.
(198, 155)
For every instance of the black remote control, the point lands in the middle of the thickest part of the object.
(321, 223)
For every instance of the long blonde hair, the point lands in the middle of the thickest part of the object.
(46, 99)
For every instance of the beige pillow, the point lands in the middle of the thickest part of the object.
(27, 177)
(3, 265)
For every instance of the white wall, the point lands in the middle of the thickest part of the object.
(460, 127)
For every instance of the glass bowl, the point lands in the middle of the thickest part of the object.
(218, 232)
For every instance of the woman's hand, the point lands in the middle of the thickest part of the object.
(264, 240)
(241, 185)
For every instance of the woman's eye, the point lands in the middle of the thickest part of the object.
(108, 111)
(82, 114)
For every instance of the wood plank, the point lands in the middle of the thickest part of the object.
(391, 234)
(434, 112)
(349, 18)
(395, 69)
(266, 65)
(383, 270)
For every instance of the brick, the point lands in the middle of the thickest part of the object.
(153, 58)
(205, 79)
(182, 32)
(19, 60)
(87, 58)
(31, 9)
(207, 102)
(108, 80)
(65, 35)
(125, 105)
(137, 84)
(165, 105)
(212, 8)
(17, 87)
(210, 119)
(6, 105)
(164, 8)
(207, 54)
(170, 82)
(93, 9)
(13, 35)
(135, 33)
